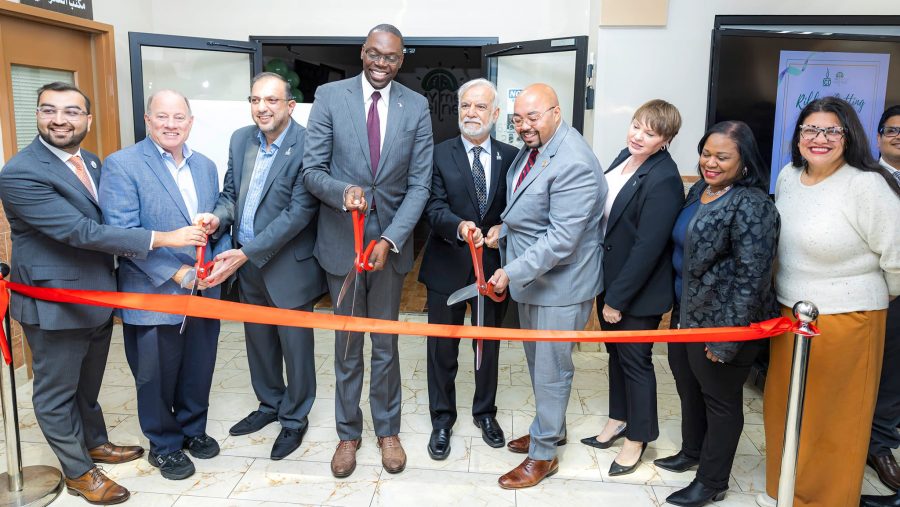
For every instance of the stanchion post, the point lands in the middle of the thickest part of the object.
(34, 485)
(806, 313)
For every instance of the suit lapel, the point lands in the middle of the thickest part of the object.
(543, 160)
(155, 162)
(63, 171)
(281, 159)
(395, 119)
(461, 161)
(355, 102)
(496, 167)
(629, 190)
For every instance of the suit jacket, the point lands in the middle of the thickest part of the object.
(337, 156)
(447, 263)
(58, 239)
(137, 190)
(636, 272)
(285, 223)
(551, 240)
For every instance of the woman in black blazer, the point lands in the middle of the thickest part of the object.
(645, 196)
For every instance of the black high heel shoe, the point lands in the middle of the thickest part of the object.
(617, 469)
(593, 442)
(696, 494)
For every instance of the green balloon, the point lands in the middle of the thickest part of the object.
(277, 66)
(298, 95)
(293, 78)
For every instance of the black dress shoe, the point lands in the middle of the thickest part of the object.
(677, 463)
(287, 442)
(879, 501)
(173, 466)
(696, 494)
(491, 432)
(203, 446)
(617, 469)
(252, 423)
(887, 469)
(439, 443)
(593, 442)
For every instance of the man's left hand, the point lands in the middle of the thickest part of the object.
(378, 257)
(227, 263)
(500, 281)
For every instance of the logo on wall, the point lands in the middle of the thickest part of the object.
(439, 87)
(81, 8)
(827, 80)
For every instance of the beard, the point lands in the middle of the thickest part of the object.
(72, 142)
(471, 129)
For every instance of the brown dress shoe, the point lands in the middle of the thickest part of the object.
(887, 469)
(114, 454)
(343, 463)
(521, 444)
(393, 457)
(97, 488)
(529, 473)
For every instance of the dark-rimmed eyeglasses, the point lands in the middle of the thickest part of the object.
(889, 131)
(272, 101)
(531, 118)
(69, 113)
(811, 132)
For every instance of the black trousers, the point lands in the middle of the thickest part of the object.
(443, 364)
(887, 407)
(632, 380)
(712, 407)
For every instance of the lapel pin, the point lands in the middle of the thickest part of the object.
(544, 164)
(498, 156)
(93, 164)
(399, 104)
(288, 152)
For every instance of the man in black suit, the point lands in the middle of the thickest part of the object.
(49, 193)
(468, 192)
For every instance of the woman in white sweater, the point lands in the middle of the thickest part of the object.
(840, 249)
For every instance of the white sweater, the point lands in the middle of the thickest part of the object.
(840, 241)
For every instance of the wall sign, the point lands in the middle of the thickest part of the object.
(81, 8)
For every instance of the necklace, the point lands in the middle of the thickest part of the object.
(710, 193)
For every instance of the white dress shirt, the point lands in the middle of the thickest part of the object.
(485, 158)
(65, 156)
(181, 173)
(367, 90)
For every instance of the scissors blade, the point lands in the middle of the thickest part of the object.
(479, 321)
(352, 313)
(351, 277)
(193, 291)
(467, 292)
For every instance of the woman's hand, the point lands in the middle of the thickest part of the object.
(611, 315)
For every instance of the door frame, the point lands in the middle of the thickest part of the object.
(104, 97)
(136, 40)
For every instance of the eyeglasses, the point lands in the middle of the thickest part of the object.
(164, 118)
(69, 113)
(377, 57)
(272, 101)
(889, 131)
(531, 118)
(811, 132)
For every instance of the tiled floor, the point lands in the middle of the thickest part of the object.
(243, 476)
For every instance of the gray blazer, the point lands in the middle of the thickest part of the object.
(58, 239)
(337, 155)
(136, 190)
(285, 223)
(551, 240)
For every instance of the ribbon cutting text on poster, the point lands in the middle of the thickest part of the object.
(196, 306)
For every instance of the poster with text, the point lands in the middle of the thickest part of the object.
(804, 76)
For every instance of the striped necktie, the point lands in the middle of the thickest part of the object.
(528, 165)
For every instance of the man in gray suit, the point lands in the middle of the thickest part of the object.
(273, 217)
(369, 147)
(49, 193)
(550, 242)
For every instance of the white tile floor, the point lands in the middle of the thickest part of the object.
(243, 476)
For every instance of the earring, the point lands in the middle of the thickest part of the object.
(664, 147)
(744, 171)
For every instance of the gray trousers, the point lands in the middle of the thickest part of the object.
(377, 296)
(269, 348)
(68, 369)
(551, 369)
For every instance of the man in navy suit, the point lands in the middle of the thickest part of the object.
(160, 183)
(49, 193)
(468, 192)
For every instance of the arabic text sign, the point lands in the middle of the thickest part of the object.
(804, 76)
(81, 8)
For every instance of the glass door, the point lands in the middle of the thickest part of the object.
(560, 63)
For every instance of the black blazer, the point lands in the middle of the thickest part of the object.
(447, 263)
(637, 262)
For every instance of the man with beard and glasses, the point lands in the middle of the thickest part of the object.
(468, 192)
(550, 246)
(49, 193)
(274, 222)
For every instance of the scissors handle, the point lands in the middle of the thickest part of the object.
(203, 268)
(485, 289)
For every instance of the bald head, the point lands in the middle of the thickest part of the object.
(536, 115)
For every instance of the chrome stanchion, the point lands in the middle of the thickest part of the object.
(35, 485)
(806, 313)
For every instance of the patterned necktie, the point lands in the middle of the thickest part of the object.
(373, 129)
(897, 176)
(528, 165)
(82, 174)
(480, 181)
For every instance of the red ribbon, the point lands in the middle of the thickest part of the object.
(195, 306)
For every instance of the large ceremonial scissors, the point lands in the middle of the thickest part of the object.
(201, 271)
(478, 290)
(360, 264)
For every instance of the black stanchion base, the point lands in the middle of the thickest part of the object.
(41, 485)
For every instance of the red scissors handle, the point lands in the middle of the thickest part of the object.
(203, 268)
(362, 256)
(485, 289)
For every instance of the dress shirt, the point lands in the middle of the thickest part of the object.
(616, 181)
(181, 173)
(264, 160)
(367, 90)
(485, 159)
(525, 160)
(65, 156)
